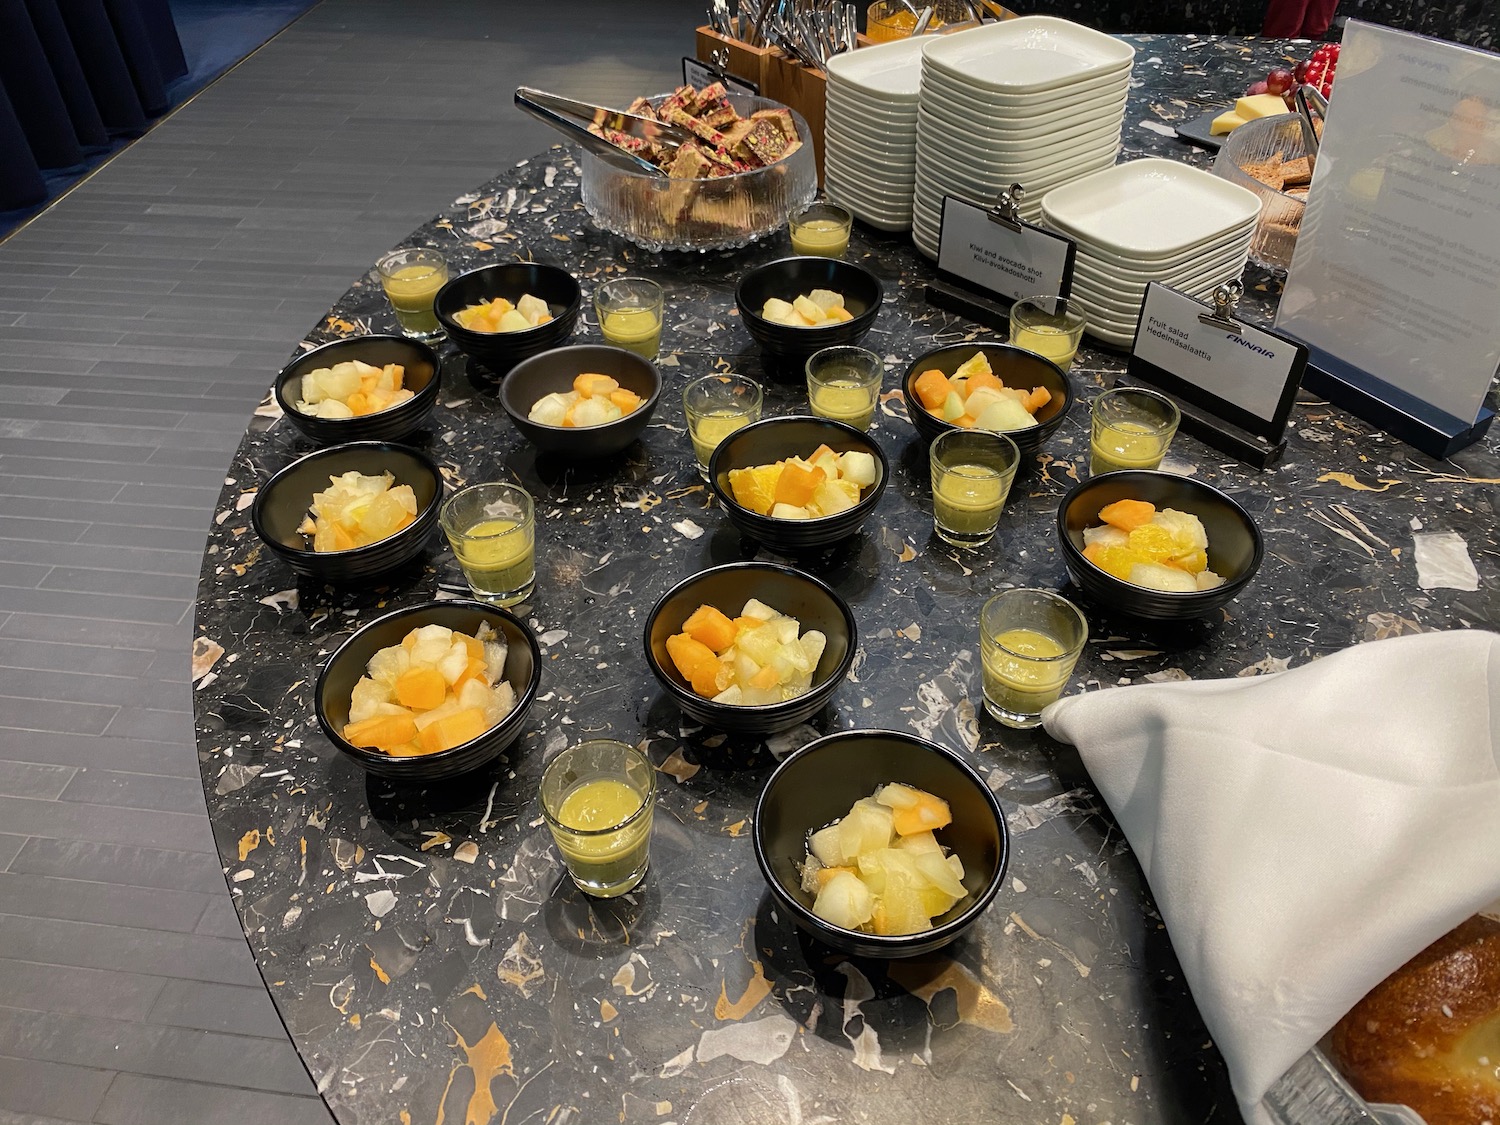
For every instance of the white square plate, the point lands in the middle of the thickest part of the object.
(888, 70)
(1010, 121)
(1028, 55)
(1149, 208)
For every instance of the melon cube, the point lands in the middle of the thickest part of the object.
(824, 843)
(844, 901)
(1005, 414)
(790, 512)
(831, 497)
(513, 321)
(895, 796)
(550, 410)
(533, 309)
(813, 643)
(934, 867)
(809, 310)
(1105, 536)
(826, 299)
(388, 664)
(759, 610)
(775, 309)
(432, 643)
(857, 467)
(333, 408)
(475, 694)
(1156, 576)
(731, 695)
(455, 662)
(867, 828)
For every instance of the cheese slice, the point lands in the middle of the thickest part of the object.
(1226, 122)
(1259, 105)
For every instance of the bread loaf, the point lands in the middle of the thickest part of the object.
(1428, 1036)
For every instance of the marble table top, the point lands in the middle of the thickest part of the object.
(429, 957)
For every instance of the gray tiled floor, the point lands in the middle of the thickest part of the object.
(141, 319)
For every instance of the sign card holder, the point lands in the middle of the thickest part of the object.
(989, 258)
(697, 73)
(1234, 383)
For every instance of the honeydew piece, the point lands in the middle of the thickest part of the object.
(919, 843)
(367, 695)
(1105, 536)
(826, 299)
(776, 309)
(831, 497)
(809, 310)
(474, 694)
(759, 610)
(1157, 576)
(429, 643)
(502, 701)
(844, 901)
(858, 467)
(331, 536)
(594, 412)
(551, 410)
(1187, 527)
(953, 407)
(827, 460)
(933, 866)
(813, 643)
(790, 512)
(533, 309)
(896, 796)
(385, 515)
(514, 321)
(1005, 414)
(1226, 122)
(455, 663)
(980, 398)
(785, 629)
(867, 828)
(956, 865)
(731, 695)
(388, 664)
(333, 408)
(341, 380)
(1207, 580)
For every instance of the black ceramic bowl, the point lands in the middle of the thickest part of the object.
(423, 376)
(728, 588)
(284, 500)
(1234, 544)
(773, 439)
(552, 371)
(523, 668)
(500, 351)
(1015, 367)
(796, 277)
(818, 784)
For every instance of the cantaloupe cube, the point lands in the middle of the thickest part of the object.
(473, 670)
(421, 689)
(590, 384)
(626, 400)
(689, 655)
(710, 627)
(453, 730)
(1039, 397)
(932, 388)
(1127, 514)
(984, 379)
(839, 314)
(927, 815)
(381, 732)
(797, 482)
(709, 679)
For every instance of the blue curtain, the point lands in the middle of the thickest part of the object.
(73, 74)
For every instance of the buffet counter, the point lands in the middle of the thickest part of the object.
(425, 948)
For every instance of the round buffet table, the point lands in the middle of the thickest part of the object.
(428, 955)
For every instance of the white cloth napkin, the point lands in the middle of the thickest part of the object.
(1304, 833)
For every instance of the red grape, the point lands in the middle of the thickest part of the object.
(1256, 88)
(1280, 81)
(1299, 72)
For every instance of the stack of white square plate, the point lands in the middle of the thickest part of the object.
(870, 131)
(1036, 101)
(1149, 220)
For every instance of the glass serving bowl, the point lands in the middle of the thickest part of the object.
(1257, 142)
(658, 213)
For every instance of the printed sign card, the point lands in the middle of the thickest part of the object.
(1009, 261)
(1235, 383)
(1395, 281)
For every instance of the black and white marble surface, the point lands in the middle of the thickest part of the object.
(429, 957)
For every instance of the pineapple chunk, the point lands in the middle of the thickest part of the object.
(867, 828)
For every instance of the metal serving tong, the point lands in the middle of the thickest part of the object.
(572, 118)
